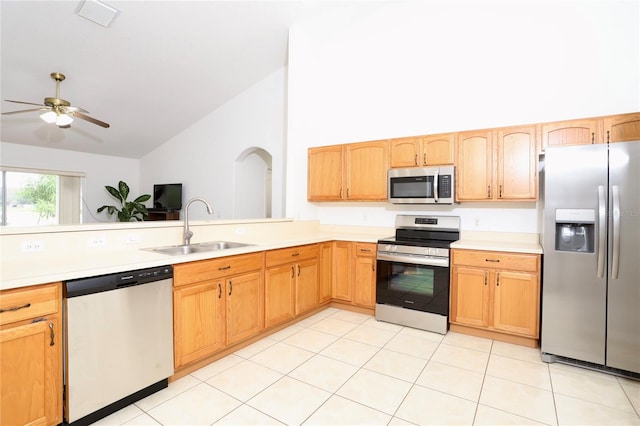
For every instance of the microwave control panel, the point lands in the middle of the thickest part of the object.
(444, 186)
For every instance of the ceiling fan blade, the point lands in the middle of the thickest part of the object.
(91, 119)
(72, 109)
(22, 102)
(25, 110)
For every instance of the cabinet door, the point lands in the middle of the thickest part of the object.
(622, 128)
(325, 273)
(573, 132)
(364, 281)
(306, 285)
(366, 170)
(516, 306)
(342, 288)
(198, 321)
(278, 291)
(517, 164)
(437, 149)
(31, 365)
(405, 152)
(475, 166)
(245, 306)
(470, 296)
(324, 181)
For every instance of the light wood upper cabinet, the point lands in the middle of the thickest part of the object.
(31, 355)
(366, 170)
(571, 132)
(475, 154)
(621, 128)
(496, 291)
(420, 151)
(324, 180)
(497, 165)
(517, 163)
(351, 172)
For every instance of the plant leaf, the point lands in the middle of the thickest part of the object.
(142, 198)
(114, 192)
(124, 189)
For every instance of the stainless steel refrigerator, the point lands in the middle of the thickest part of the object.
(591, 241)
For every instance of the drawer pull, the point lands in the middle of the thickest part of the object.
(53, 335)
(492, 260)
(295, 254)
(222, 268)
(365, 250)
(15, 308)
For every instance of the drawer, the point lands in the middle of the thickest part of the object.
(366, 249)
(496, 259)
(211, 269)
(291, 254)
(29, 302)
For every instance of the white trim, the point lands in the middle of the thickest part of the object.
(41, 171)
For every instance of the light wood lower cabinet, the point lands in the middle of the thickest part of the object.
(364, 277)
(31, 355)
(354, 273)
(496, 292)
(216, 303)
(291, 283)
(325, 272)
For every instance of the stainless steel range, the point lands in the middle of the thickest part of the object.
(412, 280)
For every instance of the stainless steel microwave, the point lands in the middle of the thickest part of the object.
(422, 185)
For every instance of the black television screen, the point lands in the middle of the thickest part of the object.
(167, 196)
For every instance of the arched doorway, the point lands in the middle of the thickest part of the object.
(253, 185)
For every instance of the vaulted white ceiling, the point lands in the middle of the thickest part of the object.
(157, 69)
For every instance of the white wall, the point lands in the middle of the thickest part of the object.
(202, 157)
(428, 67)
(100, 170)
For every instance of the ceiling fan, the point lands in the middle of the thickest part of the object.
(58, 111)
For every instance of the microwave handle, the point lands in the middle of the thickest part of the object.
(435, 185)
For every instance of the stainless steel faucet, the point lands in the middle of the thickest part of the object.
(186, 236)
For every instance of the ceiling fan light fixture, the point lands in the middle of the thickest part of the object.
(63, 120)
(49, 117)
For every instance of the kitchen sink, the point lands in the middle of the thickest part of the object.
(179, 250)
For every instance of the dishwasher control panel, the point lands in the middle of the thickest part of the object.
(89, 285)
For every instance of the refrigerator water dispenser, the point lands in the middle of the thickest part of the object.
(575, 230)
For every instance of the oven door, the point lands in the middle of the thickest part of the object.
(413, 286)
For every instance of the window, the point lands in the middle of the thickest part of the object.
(39, 197)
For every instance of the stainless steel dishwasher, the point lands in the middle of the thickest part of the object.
(119, 341)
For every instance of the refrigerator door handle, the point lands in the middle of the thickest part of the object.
(602, 225)
(615, 195)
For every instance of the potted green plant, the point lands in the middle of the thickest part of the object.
(129, 210)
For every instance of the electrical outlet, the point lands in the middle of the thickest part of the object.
(97, 242)
(30, 246)
(133, 238)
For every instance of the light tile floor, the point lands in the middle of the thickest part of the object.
(343, 368)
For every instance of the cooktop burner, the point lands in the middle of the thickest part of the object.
(425, 231)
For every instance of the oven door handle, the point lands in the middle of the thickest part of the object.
(415, 259)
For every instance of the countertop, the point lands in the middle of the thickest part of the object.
(72, 254)
(499, 241)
